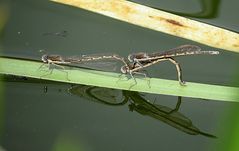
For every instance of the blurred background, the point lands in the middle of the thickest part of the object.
(42, 115)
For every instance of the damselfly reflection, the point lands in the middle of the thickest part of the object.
(139, 104)
(63, 33)
(142, 60)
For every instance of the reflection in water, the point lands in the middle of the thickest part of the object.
(45, 89)
(63, 33)
(139, 104)
(209, 9)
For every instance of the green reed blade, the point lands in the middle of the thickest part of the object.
(74, 75)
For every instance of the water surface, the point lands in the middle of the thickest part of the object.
(41, 115)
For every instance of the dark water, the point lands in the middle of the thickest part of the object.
(38, 115)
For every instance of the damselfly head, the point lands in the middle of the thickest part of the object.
(131, 57)
(44, 58)
(124, 69)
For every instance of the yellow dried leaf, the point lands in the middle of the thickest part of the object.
(161, 21)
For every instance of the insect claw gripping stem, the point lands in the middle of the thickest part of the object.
(49, 63)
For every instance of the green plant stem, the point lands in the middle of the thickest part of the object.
(75, 75)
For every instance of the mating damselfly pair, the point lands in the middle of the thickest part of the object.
(136, 62)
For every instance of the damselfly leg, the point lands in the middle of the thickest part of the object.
(136, 69)
(52, 67)
(54, 62)
(128, 69)
(179, 70)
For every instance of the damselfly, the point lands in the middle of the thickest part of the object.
(142, 60)
(59, 60)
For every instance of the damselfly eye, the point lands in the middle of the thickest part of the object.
(124, 69)
(44, 58)
(131, 57)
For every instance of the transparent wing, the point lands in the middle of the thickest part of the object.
(178, 51)
(98, 65)
(104, 62)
